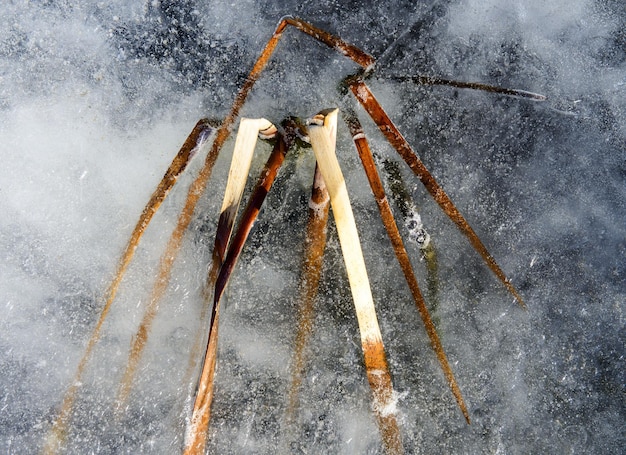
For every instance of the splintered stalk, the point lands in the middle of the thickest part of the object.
(401, 254)
(390, 131)
(194, 142)
(251, 212)
(322, 133)
(315, 243)
(249, 131)
(225, 257)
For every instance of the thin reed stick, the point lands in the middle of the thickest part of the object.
(194, 142)
(322, 134)
(390, 131)
(403, 258)
(430, 80)
(315, 243)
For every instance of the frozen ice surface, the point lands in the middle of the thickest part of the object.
(95, 99)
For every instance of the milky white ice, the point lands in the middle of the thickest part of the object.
(97, 97)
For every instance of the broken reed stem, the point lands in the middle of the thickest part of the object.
(247, 135)
(391, 227)
(202, 407)
(196, 139)
(249, 130)
(251, 212)
(390, 131)
(323, 141)
(315, 243)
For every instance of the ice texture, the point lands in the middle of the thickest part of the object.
(97, 97)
